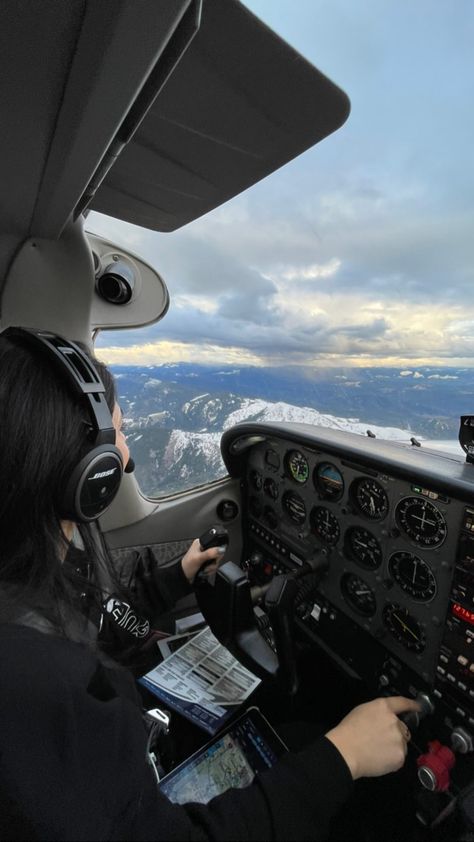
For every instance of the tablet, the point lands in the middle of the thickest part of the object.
(231, 759)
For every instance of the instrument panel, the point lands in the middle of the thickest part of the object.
(394, 525)
(390, 542)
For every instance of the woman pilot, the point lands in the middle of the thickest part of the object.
(72, 739)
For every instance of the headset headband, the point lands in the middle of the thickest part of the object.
(74, 366)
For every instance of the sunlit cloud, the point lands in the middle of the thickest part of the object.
(312, 272)
(159, 353)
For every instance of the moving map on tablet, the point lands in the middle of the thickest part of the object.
(231, 759)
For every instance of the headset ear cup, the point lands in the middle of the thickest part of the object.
(92, 485)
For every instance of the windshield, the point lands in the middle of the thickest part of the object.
(338, 290)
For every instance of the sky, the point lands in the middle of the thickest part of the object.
(361, 250)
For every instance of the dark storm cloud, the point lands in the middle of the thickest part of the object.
(248, 308)
(374, 330)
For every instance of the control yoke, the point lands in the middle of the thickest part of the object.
(228, 608)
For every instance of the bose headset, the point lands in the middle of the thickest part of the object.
(95, 480)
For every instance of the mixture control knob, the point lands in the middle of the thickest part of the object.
(434, 767)
(461, 740)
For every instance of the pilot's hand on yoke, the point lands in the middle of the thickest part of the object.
(196, 559)
(372, 739)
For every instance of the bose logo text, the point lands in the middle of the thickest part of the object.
(102, 474)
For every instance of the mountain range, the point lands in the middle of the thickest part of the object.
(174, 414)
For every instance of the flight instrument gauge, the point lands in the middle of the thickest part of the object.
(294, 506)
(413, 575)
(404, 627)
(363, 547)
(325, 525)
(370, 498)
(358, 594)
(270, 488)
(297, 466)
(421, 521)
(328, 481)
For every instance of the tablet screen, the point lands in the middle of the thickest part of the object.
(230, 760)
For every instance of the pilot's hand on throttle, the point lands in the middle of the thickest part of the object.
(372, 739)
(195, 558)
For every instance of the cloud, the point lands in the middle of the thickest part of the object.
(312, 272)
(156, 353)
(443, 377)
(360, 251)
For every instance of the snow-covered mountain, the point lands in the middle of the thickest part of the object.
(168, 459)
(258, 410)
(175, 414)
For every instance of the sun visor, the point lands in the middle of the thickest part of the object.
(128, 292)
(239, 105)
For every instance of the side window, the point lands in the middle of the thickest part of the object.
(172, 423)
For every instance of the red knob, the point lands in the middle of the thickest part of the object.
(434, 766)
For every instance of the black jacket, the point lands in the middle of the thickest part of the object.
(126, 598)
(72, 761)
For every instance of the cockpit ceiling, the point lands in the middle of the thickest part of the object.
(240, 104)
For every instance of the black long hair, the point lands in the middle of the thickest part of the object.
(43, 433)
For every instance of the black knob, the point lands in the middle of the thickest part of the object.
(215, 536)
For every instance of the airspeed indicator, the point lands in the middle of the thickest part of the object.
(297, 466)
